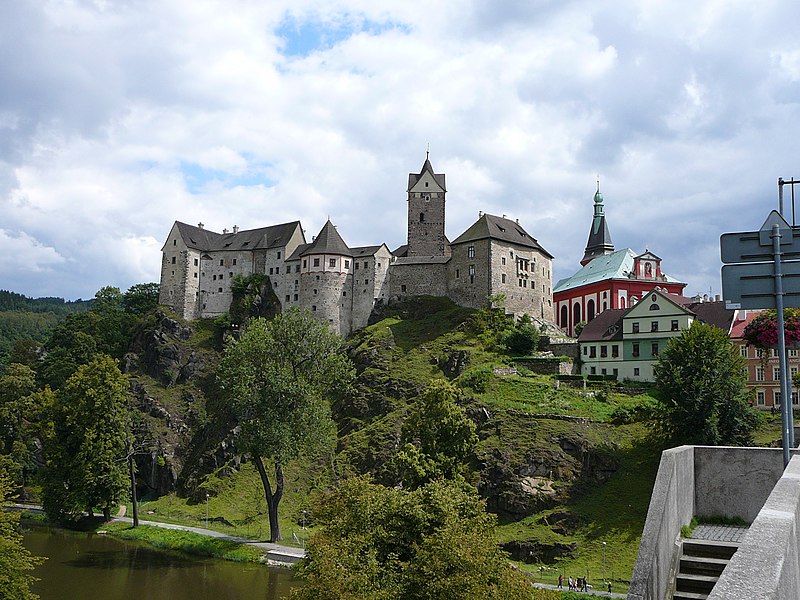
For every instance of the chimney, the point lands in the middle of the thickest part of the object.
(504, 215)
(200, 225)
(313, 239)
(235, 229)
(718, 298)
(517, 221)
(480, 214)
(225, 230)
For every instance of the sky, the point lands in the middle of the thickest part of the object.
(119, 117)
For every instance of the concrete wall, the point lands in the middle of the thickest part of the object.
(723, 481)
(671, 507)
(767, 564)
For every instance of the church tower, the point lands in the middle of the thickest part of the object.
(599, 243)
(426, 191)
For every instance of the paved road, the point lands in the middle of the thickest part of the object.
(274, 552)
(600, 593)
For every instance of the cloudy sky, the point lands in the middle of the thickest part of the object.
(118, 117)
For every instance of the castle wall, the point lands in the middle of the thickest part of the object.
(417, 279)
(368, 284)
(326, 289)
(217, 272)
(469, 272)
(524, 276)
(426, 213)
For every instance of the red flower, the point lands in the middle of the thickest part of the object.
(762, 331)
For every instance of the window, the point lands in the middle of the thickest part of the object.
(654, 348)
(344, 294)
(174, 242)
(470, 251)
(195, 262)
(674, 325)
(503, 260)
(234, 262)
(636, 371)
(366, 265)
(603, 372)
(270, 270)
(603, 351)
(794, 397)
(366, 281)
(503, 278)
(760, 397)
(230, 274)
(777, 398)
(315, 292)
(792, 372)
(346, 264)
(297, 268)
(458, 273)
(332, 262)
(635, 328)
(585, 350)
(592, 351)
(793, 353)
(295, 297)
(615, 372)
(743, 350)
(421, 217)
(279, 254)
(219, 289)
(472, 273)
(593, 370)
(213, 278)
(614, 351)
(759, 373)
(277, 270)
(221, 262)
(316, 262)
(759, 352)
(356, 265)
(174, 260)
(655, 307)
(195, 274)
(635, 350)
(403, 288)
(287, 297)
(304, 263)
(313, 308)
(776, 373)
(220, 275)
(654, 326)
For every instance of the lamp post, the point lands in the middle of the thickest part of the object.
(304, 528)
(605, 575)
(206, 510)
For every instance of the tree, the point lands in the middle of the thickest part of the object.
(140, 298)
(16, 561)
(86, 449)
(278, 378)
(437, 437)
(433, 543)
(702, 389)
(523, 339)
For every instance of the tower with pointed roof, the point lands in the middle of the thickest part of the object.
(426, 198)
(599, 242)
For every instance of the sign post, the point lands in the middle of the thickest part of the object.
(746, 284)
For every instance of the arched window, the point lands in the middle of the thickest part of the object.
(564, 317)
(655, 307)
(590, 310)
(622, 302)
(421, 217)
(576, 314)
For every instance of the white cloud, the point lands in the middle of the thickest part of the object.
(119, 117)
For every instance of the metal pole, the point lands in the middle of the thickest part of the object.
(780, 195)
(206, 511)
(788, 379)
(776, 253)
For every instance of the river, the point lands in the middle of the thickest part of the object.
(88, 566)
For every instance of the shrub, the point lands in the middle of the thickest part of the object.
(476, 378)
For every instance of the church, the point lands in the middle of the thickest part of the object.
(608, 278)
(342, 284)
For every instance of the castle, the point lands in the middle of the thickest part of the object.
(342, 285)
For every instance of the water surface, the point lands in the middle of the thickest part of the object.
(88, 566)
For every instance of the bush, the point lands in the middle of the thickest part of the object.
(522, 339)
(476, 378)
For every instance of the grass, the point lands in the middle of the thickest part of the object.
(186, 542)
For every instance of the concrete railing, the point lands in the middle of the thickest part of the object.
(671, 507)
(703, 481)
(767, 564)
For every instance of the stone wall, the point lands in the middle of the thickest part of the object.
(469, 272)
(324, 293)
(417, 279)
(369, 284)
(524, 275)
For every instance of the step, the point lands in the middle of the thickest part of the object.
(702, 565)
(695, 583)
(689, 596)
(709, 548)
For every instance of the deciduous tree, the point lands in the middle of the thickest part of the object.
(702, 389)
(86, 449)
(279, 377)
(433, 543)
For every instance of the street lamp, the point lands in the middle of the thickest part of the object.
(207, 511)
(304, 520)
(604, 561)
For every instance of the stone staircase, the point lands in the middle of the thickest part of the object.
(700, 566)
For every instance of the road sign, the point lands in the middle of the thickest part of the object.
(752, 286)
(756, 246)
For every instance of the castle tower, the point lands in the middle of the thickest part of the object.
(426, 192)
(599, 243)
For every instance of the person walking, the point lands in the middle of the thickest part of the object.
(561, 582)
(571, 583)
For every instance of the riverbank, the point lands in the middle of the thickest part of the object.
(195, 541)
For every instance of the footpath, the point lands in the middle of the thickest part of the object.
(276, 553)
(592, 592)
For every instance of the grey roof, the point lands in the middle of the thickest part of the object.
(606, 326)
(413, 178)
(274, 236)
(498, 228)
(713, 313)
(365, 250)
(421, 260)
(599, 242)
(401, 250)
(328, 242)
(298, 252)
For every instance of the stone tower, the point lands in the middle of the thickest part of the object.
(426, 192)
(599, 242)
